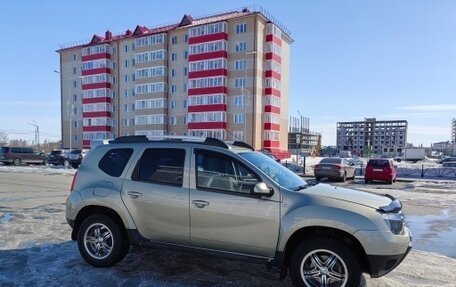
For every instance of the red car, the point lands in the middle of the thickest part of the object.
(380, 169)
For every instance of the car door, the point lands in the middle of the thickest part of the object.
(350, 167)
(157, 195)
(224, 215)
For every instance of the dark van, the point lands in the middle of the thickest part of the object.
(18, 155)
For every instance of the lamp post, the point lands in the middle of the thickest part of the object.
(37, 133)
(70, 106)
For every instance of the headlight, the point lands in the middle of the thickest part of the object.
(395, 222)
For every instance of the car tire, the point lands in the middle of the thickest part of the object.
(318, 178)
(100, 241)
(366, 181)
(66, 163)
(75, 165)
(17, 161)
(344, 177)
(390, 181)
(324, 259)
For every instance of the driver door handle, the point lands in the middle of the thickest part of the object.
(200, 203)
(134, 194)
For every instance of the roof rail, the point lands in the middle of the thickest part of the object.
(130, 139)
(216, 142)
(243, 144)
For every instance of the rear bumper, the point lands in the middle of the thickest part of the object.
(383, 264)
(329, 173)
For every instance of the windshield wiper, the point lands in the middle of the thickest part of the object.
(301, 187)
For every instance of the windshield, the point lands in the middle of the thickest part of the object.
(277, 172)
(4, 149)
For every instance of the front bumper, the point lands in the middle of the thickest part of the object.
(383, 264)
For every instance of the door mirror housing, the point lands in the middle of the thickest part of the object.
(262, 189)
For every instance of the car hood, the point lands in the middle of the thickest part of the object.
(350, 195)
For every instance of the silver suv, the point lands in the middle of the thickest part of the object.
(211, 195)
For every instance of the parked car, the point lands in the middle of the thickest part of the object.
(75, 157)
(380, 169)
(449, 164)
(447, 159)
(18, 155)
(59, 157)
(334, 168)
(228, 199)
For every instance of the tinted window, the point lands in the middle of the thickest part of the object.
(16, 150)
(219, 172)
(331, 160)
(76, 151)
(162, 166)
(114, 161)
(378, 163)
(56, 152)
(4, 149)
(27, 150)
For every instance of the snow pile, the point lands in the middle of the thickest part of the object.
(38, 169)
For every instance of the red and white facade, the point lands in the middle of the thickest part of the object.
(223, 76)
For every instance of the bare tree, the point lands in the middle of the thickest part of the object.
(3, 138)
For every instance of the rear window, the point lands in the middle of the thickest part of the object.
(331, 160)
(55, 152)
(4, 149)
(378, 163)
(114, 161)
(164, 166)
(76, 151)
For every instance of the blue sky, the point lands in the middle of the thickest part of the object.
(389, 59)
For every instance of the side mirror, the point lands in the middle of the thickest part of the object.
(262, 189)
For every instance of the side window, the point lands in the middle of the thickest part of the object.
(114, 161)
(164, 166)
(218, 172)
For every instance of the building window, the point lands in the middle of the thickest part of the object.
(126, 63)
(173, 89)
(174, 40)
(173, 56)
(239, 100)
(114, 95)
(238, 118)
(114, 50)
(185, 103)
(113, 65)
(133, 77)
(238, 135)
(74, 71)
(126, 48)
(185, 87)
(241, 64)
(172, 104)
(75, 124)
(126, 78)
(75, 84)
(185, 54)
(185, 71)
(125, 108)
(75, 57)
(186, 38)
(113, 80)
(241, 46)
(241, 28)
(173, 73)
(239, 82)
(75, 137)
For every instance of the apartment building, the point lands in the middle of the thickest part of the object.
(372, 137)
(224, 76)
(301, 140)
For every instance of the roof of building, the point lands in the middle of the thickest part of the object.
(187, 21)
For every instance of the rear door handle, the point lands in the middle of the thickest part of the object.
(200, 203)
(134, 194)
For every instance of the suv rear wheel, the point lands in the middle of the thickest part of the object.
(17, 161)
(100, 241)
(324, 262)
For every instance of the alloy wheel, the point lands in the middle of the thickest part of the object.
(98, 241)
(323, 268)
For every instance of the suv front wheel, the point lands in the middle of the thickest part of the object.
(324, 262)
(100, 241)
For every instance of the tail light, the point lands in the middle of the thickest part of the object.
(317, 166)
(338, 166)
(74, 181)
(9, 155)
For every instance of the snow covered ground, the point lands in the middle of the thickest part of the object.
(36, 250)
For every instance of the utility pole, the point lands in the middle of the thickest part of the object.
(37, 133)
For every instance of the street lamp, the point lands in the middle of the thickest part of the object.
(70, 106)
(37, 133)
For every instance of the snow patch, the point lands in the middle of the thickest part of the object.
(6, 218)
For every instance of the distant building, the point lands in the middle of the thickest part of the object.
(453, 130)
(301, 139)
(372, 137)
(442, 148)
